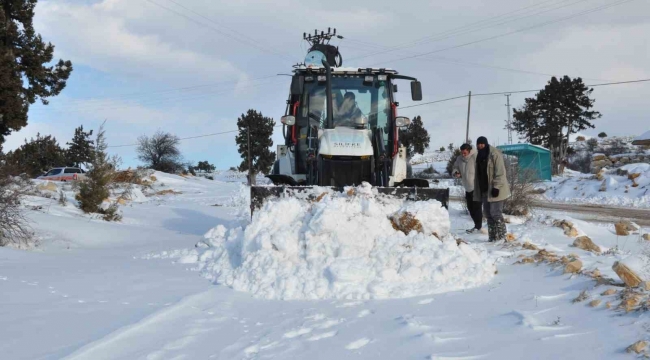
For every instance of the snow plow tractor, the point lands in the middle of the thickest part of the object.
(341, 128)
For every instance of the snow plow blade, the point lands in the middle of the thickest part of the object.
(259, 194)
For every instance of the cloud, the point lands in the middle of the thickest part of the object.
(100, 37)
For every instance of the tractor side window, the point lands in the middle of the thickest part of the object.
(383, 111)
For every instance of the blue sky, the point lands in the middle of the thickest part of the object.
(194, 67)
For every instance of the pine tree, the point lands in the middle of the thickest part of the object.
(97, 184)
(80, 150)
(36, 156)
(562, 108)
(450, 164)
(415, 137)
(261, 132)
(25, 75)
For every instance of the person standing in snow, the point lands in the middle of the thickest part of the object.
(491, 187)
(465, 169)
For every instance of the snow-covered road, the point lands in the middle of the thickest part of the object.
(87, 293)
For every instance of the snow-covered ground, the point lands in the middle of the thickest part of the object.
(431, 156)
(98, 290)
(610, 189)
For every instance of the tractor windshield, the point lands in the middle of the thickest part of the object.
(352, 99)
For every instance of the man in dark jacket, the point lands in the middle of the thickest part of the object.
(491, 187)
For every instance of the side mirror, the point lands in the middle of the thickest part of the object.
(416, 90)
(402, 121)
(394, 88)
(288, 120)
(297, 84)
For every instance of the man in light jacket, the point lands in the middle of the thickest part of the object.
(465, 169)
(491, 187)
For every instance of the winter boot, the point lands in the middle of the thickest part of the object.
(500, 230)
(491, 230)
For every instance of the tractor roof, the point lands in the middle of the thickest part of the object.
(345, 70)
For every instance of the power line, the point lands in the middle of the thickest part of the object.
(251, 41)
(592, 10)
(534, 90)
(99, 106)
(461, 63)
(435, 37)
(214, 29)
(145, 93)
(433, 102)
(188, 138)
(517, 92)
(467, 29)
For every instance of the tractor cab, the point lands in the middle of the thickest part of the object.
(363, 116)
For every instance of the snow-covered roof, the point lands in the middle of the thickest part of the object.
(519, 147)
(643, 139)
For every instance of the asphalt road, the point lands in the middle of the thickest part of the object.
(599, 213)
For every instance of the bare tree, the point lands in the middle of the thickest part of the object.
(160, 152)
(522, 189)
(13, 225)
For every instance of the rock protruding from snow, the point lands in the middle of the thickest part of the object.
(621, 229)
(573, 267)
(637, 347)
(632, 270)
(625, 227)
(568, 227)
(343, 246)
(585, 243)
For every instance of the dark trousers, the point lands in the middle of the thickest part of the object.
(474, 208)
(493, 210)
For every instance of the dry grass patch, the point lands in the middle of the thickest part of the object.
(406, 222)
(167, 192)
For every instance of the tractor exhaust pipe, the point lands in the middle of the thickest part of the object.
(328, 87)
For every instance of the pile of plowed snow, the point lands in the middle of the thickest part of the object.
(341, 245)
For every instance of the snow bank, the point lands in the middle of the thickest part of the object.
(636, 168)
(340, 246)
(619, 190)
(644, 136)
(137, 196)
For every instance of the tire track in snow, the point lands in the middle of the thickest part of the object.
(101, 348)
(358, 344)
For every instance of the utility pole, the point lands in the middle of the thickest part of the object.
(508, 120)
(469, 105)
